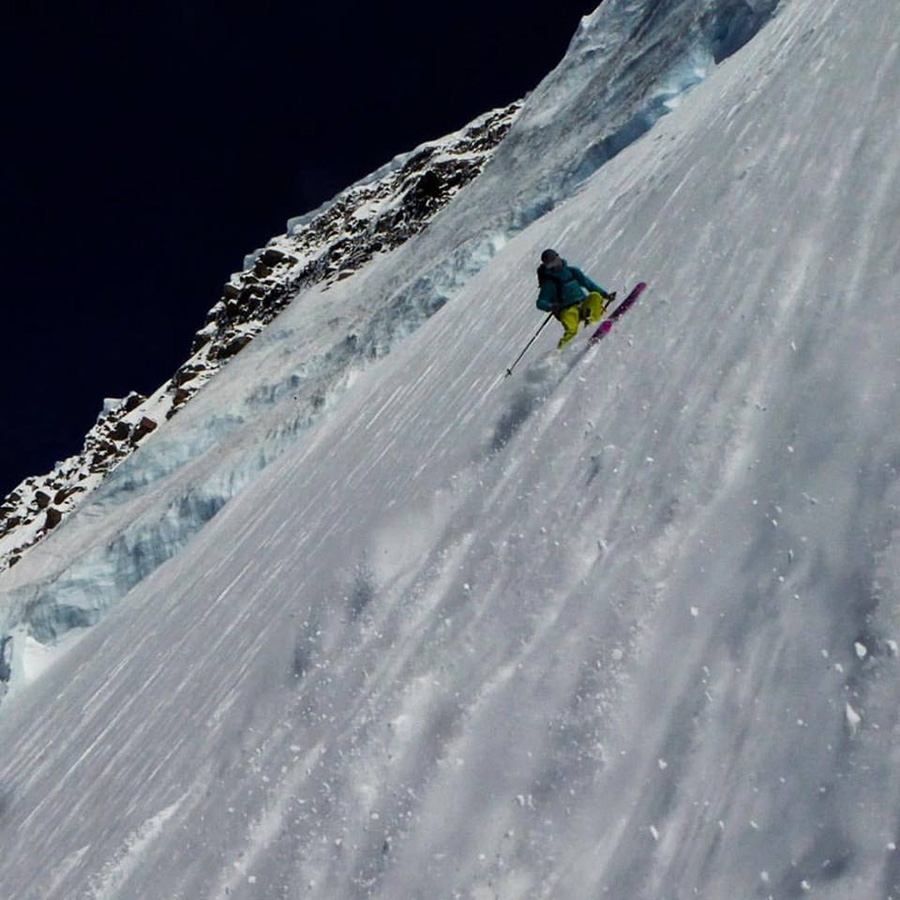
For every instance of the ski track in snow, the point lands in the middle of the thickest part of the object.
(624, 624)
(114, 876)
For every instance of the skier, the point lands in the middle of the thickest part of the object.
(569, 294)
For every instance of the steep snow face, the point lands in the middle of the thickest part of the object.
(624, 624)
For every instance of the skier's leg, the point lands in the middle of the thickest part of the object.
(594, 306)
(570, 318)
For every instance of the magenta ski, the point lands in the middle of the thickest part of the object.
(606, 325)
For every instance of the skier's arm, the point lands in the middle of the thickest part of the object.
(586, 282)
(546, 296)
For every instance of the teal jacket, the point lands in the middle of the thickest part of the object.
(563, 287)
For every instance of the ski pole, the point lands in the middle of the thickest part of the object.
(509, 370)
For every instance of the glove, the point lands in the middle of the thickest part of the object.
(556, 309)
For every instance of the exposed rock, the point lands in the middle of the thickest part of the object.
(144, 427)
(121, 431)
(132, 402)
(63, 494)
(54, 517)
(201, 339)
(181, 396)
(272, 257)
(235, 345)
(185, 374)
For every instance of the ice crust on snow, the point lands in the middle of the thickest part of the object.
(588, 631)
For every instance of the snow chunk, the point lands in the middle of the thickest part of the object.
(853, 719)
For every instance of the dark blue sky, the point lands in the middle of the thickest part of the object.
(149, 146)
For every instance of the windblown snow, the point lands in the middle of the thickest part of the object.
(622, 625)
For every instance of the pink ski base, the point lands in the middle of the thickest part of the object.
(606, 325)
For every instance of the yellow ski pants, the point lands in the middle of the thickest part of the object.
(590, 309)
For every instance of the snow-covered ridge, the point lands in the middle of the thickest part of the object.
(375, 215)
(34, 508)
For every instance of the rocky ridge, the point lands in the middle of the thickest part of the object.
(373, 216)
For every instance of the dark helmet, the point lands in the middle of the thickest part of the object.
(551, 260)
(549, 257)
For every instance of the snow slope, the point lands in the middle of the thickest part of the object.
(622, 625)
